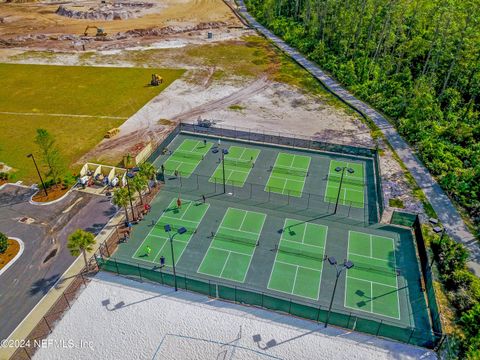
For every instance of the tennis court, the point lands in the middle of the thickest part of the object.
(288, 174)
(186, 157)
(233, 245)
(371, 285)
(238, 164)
(156, 243)
(352, 192)
(298, 265)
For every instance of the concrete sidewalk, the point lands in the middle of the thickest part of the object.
(446, 211)
(43, 306)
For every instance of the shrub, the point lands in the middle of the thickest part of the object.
(449, 255)
(3, 243)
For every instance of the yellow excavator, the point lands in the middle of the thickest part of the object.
(156, 80)
(100, 31)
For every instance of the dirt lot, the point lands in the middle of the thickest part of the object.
(40, 17)
(233, 77)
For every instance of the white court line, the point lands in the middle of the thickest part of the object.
(64, 115)
(372, 282)
(214, 247)
(225, 264)
(279, 261)
(304, 267)
(153, 228)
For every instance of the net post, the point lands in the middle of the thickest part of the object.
(308, 201)
(268, 194)
(139, 272)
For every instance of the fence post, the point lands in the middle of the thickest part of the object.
(379, 326)
(410, 337)
(139, 272)
(116, 265)
(26, 352)
(66, 300)
(46, 322)
(106, 246)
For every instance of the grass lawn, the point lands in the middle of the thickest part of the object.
(114, 93)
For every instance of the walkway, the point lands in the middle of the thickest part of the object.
(446, 212)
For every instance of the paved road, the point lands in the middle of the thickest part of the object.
(32, 275)
(447, 213)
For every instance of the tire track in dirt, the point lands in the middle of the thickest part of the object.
(250, 90)
(148, 128)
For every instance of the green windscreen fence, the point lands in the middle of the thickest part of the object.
(245, 296)
(413, 221)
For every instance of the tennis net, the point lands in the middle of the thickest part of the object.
(239, 163)
(387, 269)
(288, 248)
(346, 180)
(188, 154)
(277, 169)
(236, 239)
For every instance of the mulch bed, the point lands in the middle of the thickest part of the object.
(12, 250)
(54, 193)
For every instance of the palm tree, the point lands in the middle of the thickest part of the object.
(120, 198)
(81, 241)
(148, 170)
(139, 182)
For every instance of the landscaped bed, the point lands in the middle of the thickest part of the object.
(12, 250)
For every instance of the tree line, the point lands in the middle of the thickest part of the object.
(417, 61)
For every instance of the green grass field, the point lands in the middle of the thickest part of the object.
(31, 94)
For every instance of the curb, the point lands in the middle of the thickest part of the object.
(20, 252)
(37, 203)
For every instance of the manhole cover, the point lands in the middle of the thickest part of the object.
(50, 255)
(26, 220)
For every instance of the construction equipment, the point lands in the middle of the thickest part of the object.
(204, 122)
(100, 31)
(156, 80)
(111, 133)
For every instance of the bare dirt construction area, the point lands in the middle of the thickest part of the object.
(62, 25)
(233, 76)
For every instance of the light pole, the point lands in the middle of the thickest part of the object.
(130, 176)
(342, 169)
(346, 265)
(38, 172)
(168, 230)
(224, 152)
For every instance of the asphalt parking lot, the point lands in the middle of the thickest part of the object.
(44, 230)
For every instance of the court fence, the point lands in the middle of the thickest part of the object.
(283, 139)
(413, 221)
(54, 314)
(247, 296)
(270, 197)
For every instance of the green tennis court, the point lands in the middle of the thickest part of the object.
(288, 174)
(189, 215)
(238, 164)
(298, 265)
(352, 192)
(371, 285)
(186, 157)
(233, 245)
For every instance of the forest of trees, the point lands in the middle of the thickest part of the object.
(417, 61)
